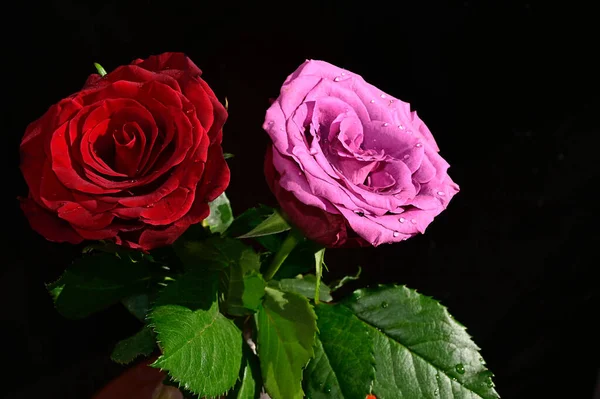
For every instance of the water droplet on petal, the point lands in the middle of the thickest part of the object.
(396, 234)
(270, 122)
(386, 124)
(441, 193)
(413, 221)
(409, 131)
(400, 127)
(460, 368)
(406, 156)
(382, 95)
(343, 73)
(402, 220)
(372, 101)
(419, 145)
(384, 304)
(336, 79)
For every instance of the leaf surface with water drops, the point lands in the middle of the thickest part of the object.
(420, 350)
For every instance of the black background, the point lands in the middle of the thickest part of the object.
(509, 90)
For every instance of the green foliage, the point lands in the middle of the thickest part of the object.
(286, 327)
(300, 260)
(138, 305)
(336, 285)
(194, 290)
(274, 224)
(420, 350)
(201, 350)
(343, 366)
(221, 215)
(246, 285)
(302, 285)
(95, 282)
(249, 384)
(142, 343)
(251, 219)
(100, 69)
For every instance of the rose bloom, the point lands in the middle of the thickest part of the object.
(350, 164)
(134, 157)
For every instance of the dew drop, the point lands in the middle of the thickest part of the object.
(327, 388)
(460, 368)
(402, 220)
(396, 234)
(441, 193)
(391, 102)
(454, 379)
(409, 131)
(413, 221)
(437, 377)
(382, 95)
(270, 123)
(336, 79)
(436, 392)
(372, 101)
(343, 73)
(384, 304)
(419, 145)
(406, 156)
(401, 127)
(386, 124)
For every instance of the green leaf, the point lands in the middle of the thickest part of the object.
(201, 350)
(319, 257)
(138, 305)
(213, 253)
(346, 279)
(246, 285)
(249, 220)
(286, 327)
(101, 71)
(194, 290)
(420, 350)
(302, 285)
(343, 365)
(300, 260)
(220, 216)
(141, 344)
(272, 225)
(95, 282)
(245, 292)
(249, 384)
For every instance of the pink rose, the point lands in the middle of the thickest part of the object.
(351, 164)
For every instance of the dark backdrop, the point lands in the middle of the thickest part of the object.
(510, 92)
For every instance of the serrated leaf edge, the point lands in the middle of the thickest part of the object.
(447, 312)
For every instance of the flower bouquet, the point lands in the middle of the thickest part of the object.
(131, 168)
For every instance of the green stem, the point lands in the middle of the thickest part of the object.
(293, 238)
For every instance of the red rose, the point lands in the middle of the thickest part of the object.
(134, 157)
